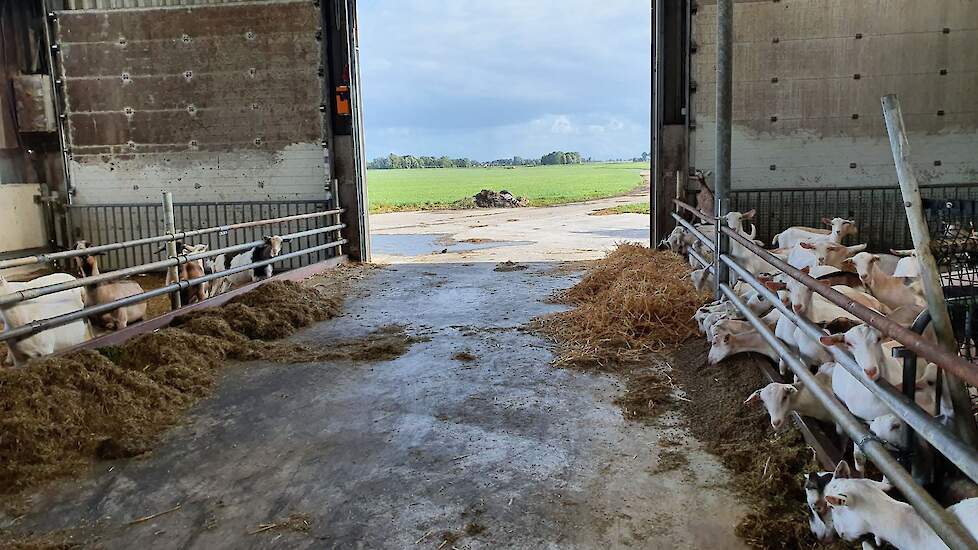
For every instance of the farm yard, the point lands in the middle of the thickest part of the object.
(448, 188)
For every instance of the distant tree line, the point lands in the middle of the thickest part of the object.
(395, 162)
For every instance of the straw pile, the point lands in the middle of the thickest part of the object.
(58, 413)
(632, 302)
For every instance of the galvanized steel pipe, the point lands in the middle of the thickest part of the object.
(179, 235)
(24, 331)
(28, 294)
(724, 122)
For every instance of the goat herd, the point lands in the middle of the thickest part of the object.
(841, 503)
(106, 292)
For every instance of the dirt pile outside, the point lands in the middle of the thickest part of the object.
(632, 302)
(61, 412)
(503, 199)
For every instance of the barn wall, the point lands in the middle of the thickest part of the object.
(211, 102)
(26, 228)
(808, 79)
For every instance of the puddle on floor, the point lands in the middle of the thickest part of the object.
(420, 245)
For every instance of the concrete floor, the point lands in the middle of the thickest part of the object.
(382, 455)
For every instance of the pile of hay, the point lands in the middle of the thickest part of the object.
(58, 413)
(632, 302)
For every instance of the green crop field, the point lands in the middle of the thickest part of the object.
(433, 188)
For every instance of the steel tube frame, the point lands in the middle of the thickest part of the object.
(694, 211)
(46, 324)
(724, 121)
(959, 453)
(169, 225)
(944, 523)
(909, 339)
(43, 258)
(29, 294)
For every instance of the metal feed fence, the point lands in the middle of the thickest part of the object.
(112, 223)
(878, 211)
(321, 240)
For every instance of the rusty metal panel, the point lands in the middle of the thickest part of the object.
(808, 77)
(211, 102)
(34, 103)
(123, 4)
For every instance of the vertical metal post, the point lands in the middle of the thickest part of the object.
(724, 115)
(929, 275)
(169, 226)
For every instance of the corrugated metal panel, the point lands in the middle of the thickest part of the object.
(124, 4)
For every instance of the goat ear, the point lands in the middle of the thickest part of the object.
(842, 471)
(858, 248)
(807, 245)
(774, 285)
(835, 501)
(754, 397)
(826, 221)
(749, 214)
(833, 340)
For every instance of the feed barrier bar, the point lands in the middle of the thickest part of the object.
(46, 324)
(28, 294)
(65, 254)
(945, 524)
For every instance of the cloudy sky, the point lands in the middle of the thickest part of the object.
(490, 79)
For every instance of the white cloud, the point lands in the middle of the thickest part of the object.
(460, 74)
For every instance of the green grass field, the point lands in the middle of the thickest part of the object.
(630, 208)
(433, 188)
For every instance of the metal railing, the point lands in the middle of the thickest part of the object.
(13, 334)
(112, 223)
(877, 211)
(949, 444)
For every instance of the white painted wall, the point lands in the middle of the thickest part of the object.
(21, 221)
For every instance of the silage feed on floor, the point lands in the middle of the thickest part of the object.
(634, 301)
(632, 312)
(59, 413)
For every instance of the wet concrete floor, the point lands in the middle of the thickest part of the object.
(415, 451)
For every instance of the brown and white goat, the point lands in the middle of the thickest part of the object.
(109, 291)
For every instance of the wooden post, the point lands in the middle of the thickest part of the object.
(929, 274)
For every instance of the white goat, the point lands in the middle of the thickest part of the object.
(781, 399)
(794, 235)
(861, 506)
(44, 307)
(895, 292)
